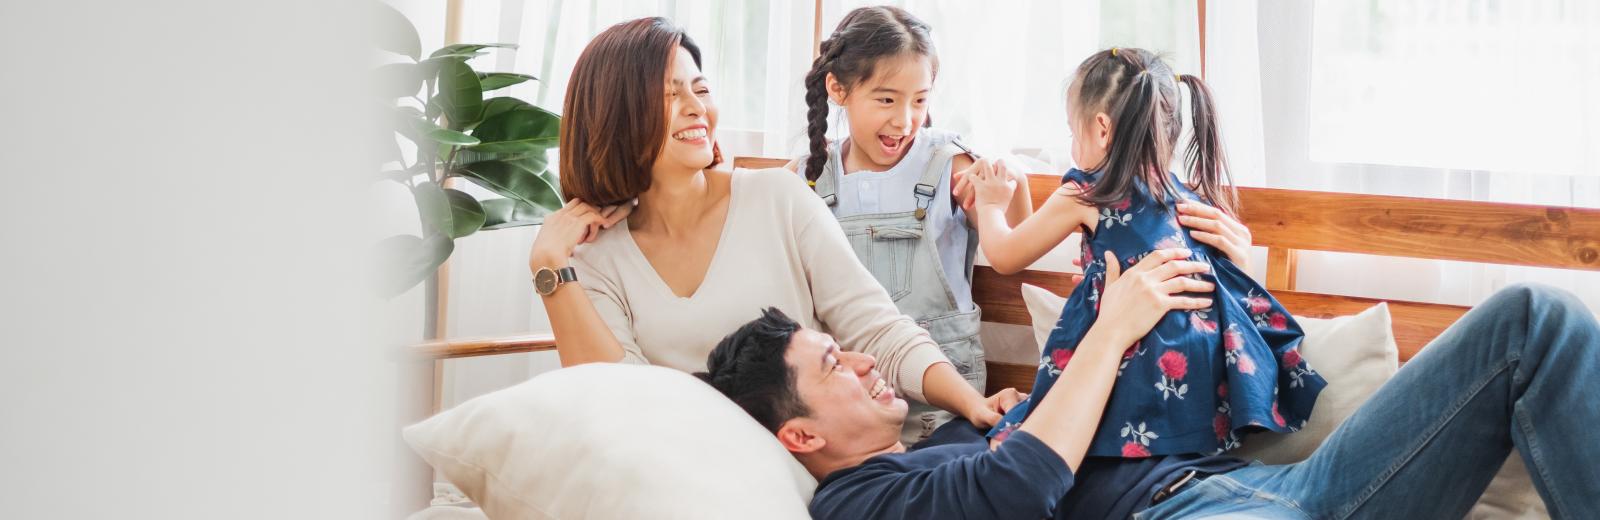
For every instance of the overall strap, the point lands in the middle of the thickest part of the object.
(938, 167)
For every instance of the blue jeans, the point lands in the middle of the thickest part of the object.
(1519, 371)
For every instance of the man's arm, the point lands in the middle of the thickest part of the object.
(1022, 479)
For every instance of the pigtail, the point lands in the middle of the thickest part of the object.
(817, 110)
(1144, 136)
(1208, 165)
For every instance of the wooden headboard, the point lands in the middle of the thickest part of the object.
(1286, 222)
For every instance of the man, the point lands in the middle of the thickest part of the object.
(1513, 372)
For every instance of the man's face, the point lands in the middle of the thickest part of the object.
(852, 407)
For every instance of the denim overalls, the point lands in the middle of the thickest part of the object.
(905, 260)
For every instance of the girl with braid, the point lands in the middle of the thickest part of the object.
(1201, 378)
(896, 185)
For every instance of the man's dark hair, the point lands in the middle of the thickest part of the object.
(748, 366)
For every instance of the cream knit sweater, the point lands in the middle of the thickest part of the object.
(780, 247)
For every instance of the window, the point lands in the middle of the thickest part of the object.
(1505, 86)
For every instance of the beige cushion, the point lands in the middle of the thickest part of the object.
(1356, 354)
(610, 441)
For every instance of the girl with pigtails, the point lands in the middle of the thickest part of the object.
(897, 185)
(1201, 378)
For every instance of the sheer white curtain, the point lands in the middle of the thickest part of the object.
(1426, 98)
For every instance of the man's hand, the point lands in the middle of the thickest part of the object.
(1134, 300)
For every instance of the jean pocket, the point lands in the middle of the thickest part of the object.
(886, 252)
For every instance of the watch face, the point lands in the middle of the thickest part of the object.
(544, 281)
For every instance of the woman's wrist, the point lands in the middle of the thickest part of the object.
(539, 260)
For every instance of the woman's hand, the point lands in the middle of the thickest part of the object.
(1134, 300)
(576, 223)
(1216, 228)
(992, 409)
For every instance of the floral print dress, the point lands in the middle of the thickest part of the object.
(1200, 379)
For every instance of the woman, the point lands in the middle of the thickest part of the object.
(702, 251)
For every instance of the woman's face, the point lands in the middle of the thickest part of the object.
(691, 116)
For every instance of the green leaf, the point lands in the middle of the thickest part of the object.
(460, 94)
(466, 214)
(513, 180)
(451, 137)
(397, 80)
(410, 260)
(521, 146)
(395, 33)
(500, 105)
(434, 206)
(499, 80)
(508, 213)
(521, 123)
(468, 48)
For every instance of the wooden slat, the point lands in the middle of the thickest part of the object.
(486, 346)
(1000, 296)
(1281, 268)
(1009, 375)
(1515, 234)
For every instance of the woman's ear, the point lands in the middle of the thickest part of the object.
(797, 436)
(836, 90)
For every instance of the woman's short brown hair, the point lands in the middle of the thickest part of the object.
(615, 119)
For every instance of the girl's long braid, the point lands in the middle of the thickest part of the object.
(817, 109)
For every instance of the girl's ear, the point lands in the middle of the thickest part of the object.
(797, 437)
(836, 91)
(1100, 131)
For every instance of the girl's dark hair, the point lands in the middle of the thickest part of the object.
(615, 117)
(864, 36)
(749, 367)
(1139, 91)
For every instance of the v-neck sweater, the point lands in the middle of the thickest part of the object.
(780, 247)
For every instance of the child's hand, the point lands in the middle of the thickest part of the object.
(992, 182)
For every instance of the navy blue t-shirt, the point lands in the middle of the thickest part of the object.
(954, 475)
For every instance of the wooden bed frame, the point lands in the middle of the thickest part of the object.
(1286, 222)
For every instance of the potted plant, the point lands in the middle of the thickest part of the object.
(438, 104)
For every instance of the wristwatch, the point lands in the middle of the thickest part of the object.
(547, 280)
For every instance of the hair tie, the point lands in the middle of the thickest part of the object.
(811, 183)
(1178, 78)
(1113, 52)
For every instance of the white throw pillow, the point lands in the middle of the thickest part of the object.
(613, 441)
(1044, 309)
(1356, 354)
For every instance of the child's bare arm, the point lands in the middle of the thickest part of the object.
(1010, 250)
